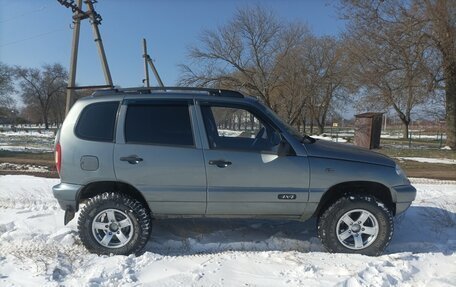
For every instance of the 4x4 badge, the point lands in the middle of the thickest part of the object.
(287, 196)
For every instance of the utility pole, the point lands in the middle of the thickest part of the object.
(95, 20)
(97, 37)
(74, 59)
(152, 66)
(148, 60)
(146, 69)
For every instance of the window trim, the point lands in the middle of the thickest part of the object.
(159, 102)
(256, 112)
(75, 128)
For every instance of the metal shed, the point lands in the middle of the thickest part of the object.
(368, 127)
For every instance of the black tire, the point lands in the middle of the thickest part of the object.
(124, 208)
(332, 226)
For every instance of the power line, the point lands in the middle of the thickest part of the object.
(24, 14)
(31, 37)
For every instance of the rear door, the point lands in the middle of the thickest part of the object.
(158, 153)
(245, 174)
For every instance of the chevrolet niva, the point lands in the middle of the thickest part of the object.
(127, 156)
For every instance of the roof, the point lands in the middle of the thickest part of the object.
(161, 90)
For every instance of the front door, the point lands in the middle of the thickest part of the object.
(245, 175)
(158, 153)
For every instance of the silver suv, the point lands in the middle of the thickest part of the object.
(127, 156)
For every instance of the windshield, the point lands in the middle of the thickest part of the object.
(291, 130)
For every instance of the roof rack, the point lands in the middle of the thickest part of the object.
(149, 90)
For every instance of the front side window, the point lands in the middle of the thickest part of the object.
(238, 128)
(97, 122)
(160, 124)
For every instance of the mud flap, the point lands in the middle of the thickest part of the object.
(69, 215)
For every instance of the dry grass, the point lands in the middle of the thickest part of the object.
(421, 169)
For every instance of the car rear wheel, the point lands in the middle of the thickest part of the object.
(356, 224)
(113, 223)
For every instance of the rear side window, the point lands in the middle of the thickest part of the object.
(97, 122)
(163, 124)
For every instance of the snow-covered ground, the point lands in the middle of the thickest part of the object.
(429, 160)
(330, 138)
(27, 141)
(228, 133)
(37, 250)
(23, 167)
(414, 135)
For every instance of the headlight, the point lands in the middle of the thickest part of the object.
(401, 173)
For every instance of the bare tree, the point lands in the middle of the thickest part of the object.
(41, 88)
(313, 76)
(330, 77)
(394, 60)
(425, 31)
(6, 86)
(440, 15)
(292, 94)
(296, 74)
(244, 53)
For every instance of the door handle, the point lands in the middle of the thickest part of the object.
(220, 163)
(132, 159)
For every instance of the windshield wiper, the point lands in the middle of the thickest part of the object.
(308, 139)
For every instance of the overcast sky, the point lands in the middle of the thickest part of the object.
(33, 33)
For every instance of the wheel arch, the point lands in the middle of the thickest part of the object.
(94, 188)
(378, 190)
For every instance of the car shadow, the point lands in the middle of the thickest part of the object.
(210, 235)
(420, 230)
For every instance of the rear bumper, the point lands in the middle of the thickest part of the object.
(405, 194)
(66, 195)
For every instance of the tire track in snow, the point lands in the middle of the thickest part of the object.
(27, 192)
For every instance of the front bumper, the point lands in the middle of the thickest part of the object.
(405, 194)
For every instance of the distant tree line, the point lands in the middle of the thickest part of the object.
(395, 54)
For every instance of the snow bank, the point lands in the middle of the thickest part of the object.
(42, 134)
(229, 133)
(25, 149)
(6, 166)
(414, 135)
(27, 192)
(37, 250)
(32, 141)
(429, 160)
(329, 138)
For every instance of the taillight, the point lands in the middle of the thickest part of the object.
(58, 157)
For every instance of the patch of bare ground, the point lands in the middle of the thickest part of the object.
(422, 169)
(38, 159)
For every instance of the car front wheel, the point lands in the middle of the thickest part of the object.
(356, 224)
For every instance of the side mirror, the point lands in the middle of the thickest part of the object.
(284, 148)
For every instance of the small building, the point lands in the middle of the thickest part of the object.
(368, 128)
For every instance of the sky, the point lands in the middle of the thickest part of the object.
(38, 32)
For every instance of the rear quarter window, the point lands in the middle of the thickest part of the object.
(97, 122)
